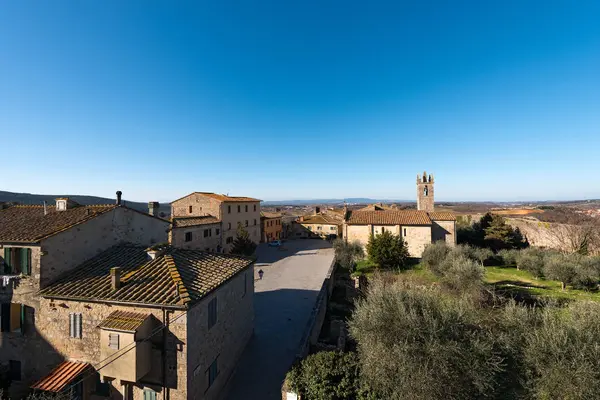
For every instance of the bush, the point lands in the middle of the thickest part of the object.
(434, 254)
(242, 244)
(462, 274)
(561, 268)
(422, 344)
(388, 250)
(532, 261)
(562, 354)
(480, 254)
(508, 257)
(588, 273)
(328, 375)
(348, 253)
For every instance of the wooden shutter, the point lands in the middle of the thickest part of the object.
(7, 262)
(15, 317)
(25, 261)
(78, 327)
(23, 317)
(72, 325)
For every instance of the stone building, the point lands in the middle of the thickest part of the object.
(417, 227)
(228, 211)
(37, 245)
(320, 224)
(202, 233)
(270, 227)
(156, 323)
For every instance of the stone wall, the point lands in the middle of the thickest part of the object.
(230, 221)
(416, 236)
(445, 231)
(201, 206)
(198, 242)
(225, 341)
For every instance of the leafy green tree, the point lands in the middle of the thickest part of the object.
(508, 256)
(561, 268)
(388, 250)
(348, 253)
(242, 243)
(434, 254)
(462, 274)
(481, 254)
(531, 260)
(327, 375)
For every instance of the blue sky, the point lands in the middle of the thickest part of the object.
(295, 100)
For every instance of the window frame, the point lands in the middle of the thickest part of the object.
(213, 312)
(75, 326)
(212, 372)
(188, 236)
(111, 344)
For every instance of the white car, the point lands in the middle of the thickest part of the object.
(275, 243)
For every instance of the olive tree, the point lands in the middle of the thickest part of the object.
(348, 253)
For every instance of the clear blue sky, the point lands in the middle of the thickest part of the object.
(306, 99)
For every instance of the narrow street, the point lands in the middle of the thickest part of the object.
(284, 299)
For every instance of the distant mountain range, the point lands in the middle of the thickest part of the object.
(350, 200)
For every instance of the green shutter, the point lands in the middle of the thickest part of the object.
(23, 308)
(25, 261)
(7, 260)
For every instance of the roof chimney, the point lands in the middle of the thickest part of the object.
(119, 193)
(153, 208)
(317, 210)
(115, 278)
(45, 208)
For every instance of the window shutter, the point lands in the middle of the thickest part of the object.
(79, 327)
(23, 317)
(25, 255)
(7, 262)
(72, 325)
(15, 317)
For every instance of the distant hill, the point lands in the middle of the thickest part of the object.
(350, 200)
(28, 198)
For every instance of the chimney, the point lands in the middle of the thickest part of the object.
(119, 193)
(153, 208)
(115, 278)
(301, 218)
(45, 208)
(317, 210)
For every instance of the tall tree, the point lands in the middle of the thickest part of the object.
(242, 244)
(387, 250)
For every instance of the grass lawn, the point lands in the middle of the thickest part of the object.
(510, 279)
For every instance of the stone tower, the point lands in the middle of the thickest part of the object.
(425, 192)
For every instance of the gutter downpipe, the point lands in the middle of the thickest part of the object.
(166, 391)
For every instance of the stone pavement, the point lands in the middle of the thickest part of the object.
(283, 302)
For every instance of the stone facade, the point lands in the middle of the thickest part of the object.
(50, 258)
(230, 213)
(425, 201)
(271, 227)
(206, 237)
(415, 236)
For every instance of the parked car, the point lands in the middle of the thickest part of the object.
(275, 243)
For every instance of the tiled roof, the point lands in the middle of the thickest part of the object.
(322, 219)
(175, 278)
(61, 376)
(180, 222)
(374, 207)
(123, 321)
(442, 216)
(269, 215)
(221, 197)
(29, 224)
(389, 217)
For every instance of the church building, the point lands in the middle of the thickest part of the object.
(417, 227)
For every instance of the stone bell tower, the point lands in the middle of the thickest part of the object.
(425, 192)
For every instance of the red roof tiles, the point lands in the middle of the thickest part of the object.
(61, 376)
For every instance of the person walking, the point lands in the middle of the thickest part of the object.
(260, 274)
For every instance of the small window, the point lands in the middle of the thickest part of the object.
(217, 231)
(239, 208)
(246, 208)
(14, 370)
(332, 228)
(246, 222)
(228, 209)
(190, 211)
(404, 231)
(212, 313)
(149, 394)
(75, 325)
(245, 284)
(12, 317)
(17, 260)
(382, 229)
(319, 228)
(255, 221)
(255, 207)
(207, 232)
(229, 226)
(188, 236)
(113, 341)
(229, 240)
(213, 372)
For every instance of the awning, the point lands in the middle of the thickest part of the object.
(61, 376)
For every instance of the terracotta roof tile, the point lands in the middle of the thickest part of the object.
(28, 224)
(388, 217)
(123, 321)
(61, 376)
(182, 222)
(221, 197)
(322, 219)
(176, 278)
(269, 215)
(442, 216)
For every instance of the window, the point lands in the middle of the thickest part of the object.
(212, 313)
(239, 208)
(207, 232)
(246, 222)
(217, 231)
(75, 325)
(319, 228)
(17, 260)
(188, 236)
(12, 317)
(113, 341)
(228, 209)
(213, 372)
(332, 228)
(255, 207)
(404, 232)
(245, 284)
(382, 229)
(229, 240)
(229, 226)
(246, 208)
(425, 191)
(190, 209)
(255, 221)
(149, 394)
(14, 370)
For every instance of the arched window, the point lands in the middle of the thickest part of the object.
(426, 191)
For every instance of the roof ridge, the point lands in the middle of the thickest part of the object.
(177, 279)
